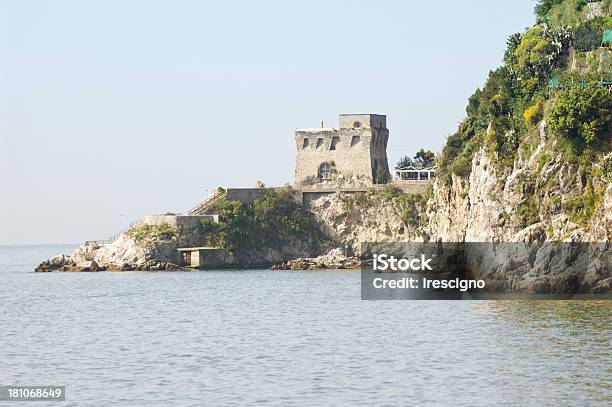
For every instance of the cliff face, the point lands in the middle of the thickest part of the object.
(526, 203)
(363, 218)
(534, 202)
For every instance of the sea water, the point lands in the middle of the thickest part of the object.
(236, 338)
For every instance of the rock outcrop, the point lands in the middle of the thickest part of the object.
(335, 259)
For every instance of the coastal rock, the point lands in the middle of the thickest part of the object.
(333, 260)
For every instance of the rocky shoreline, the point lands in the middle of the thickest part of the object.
(65, 263)
(334, 260)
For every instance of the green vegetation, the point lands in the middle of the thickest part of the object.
(528, 211)
(269, 222)
(565, 12)
(423, 158)
(534, 113)
(142, 233)
(583, 113)
(515, 98)
(403, 162)
(581, 208)
(410, 206)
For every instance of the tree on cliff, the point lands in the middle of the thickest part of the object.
(425, 158)
(404, 162)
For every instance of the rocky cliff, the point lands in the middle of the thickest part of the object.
(527, 202)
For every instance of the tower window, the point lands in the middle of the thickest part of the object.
(357, 125)
(319, 142)
(325, 171)
(355, 140)
(306, 142)
(334, 142)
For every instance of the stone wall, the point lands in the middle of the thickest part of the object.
(185, 221)
(245, 195)
(354, 151)
(308, 195)
(347, 121)
(415, 187)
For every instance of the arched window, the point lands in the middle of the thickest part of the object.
(325, 171)
(357, 125)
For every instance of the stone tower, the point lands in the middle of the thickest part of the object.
(353, 155)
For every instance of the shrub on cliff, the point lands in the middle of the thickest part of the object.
(534, 113)
(142, 233)
(583, 112)
(268, 222)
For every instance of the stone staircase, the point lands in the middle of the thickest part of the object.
(202, 207)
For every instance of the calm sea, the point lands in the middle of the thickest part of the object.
(236, 338)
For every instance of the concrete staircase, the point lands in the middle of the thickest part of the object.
(202, 207)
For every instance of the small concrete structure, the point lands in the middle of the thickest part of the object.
(202, 257)
(353, 154)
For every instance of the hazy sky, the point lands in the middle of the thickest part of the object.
(111, 110)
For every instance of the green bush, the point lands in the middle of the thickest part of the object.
(142, 233)
(587, 39)
(543, 8)
(462, 166)
(527, 212)
(581, 209)
(425, 158)
(268, 222)
(534, 113)
(582, 111)
(412, 208)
